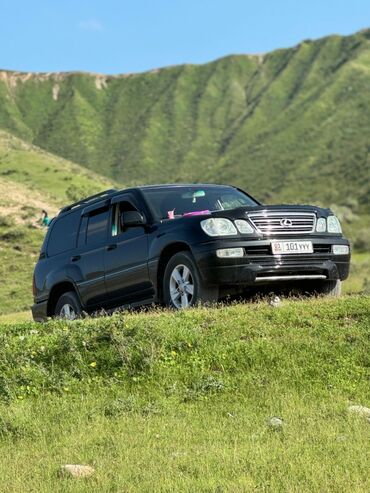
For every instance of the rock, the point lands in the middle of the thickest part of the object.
(275, 423)
(360, 410)
(76, 471)
(275, 301)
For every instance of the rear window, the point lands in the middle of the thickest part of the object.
(63, 235)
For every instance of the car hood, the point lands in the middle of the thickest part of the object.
(241, 212)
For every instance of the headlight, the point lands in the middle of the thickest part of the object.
(321, 225)
(244, 227)
(334, 225)
(218, 226)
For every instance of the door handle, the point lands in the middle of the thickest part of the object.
(76, 258)
(111, 247)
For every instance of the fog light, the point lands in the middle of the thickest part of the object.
(340, 249)
(230, 252)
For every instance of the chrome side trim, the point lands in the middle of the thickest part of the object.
(90, 281)
(112, 275)
(289, 278)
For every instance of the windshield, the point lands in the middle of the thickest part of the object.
(172, 202)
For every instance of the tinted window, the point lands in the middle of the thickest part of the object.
(63, 234)
(97, 226)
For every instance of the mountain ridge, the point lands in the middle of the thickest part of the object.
(289, 125)
(364, 31)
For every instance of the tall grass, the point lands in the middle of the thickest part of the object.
(163, 401)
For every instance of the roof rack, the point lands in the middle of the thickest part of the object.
(87, 200)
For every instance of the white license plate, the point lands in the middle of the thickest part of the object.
(291, 247)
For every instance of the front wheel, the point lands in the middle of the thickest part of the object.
(182, 284)
(68, 306)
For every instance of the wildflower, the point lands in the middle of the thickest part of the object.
(93, 364)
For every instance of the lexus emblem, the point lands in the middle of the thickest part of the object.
(287, 223)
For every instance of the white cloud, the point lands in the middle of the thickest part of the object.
(91, 25)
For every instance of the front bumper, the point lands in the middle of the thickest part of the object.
(39, 311)
(260, 266)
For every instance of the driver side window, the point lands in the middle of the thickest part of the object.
(117, 226)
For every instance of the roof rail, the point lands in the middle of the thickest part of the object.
(87, 200)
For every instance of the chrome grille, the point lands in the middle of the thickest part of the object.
(283, 223)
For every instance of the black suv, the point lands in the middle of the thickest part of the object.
(180, 245)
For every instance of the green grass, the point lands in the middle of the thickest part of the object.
(57, 180)
(19, 254)
(164, 401)
(359, 279)
(16, 317)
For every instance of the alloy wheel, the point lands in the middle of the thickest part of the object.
(181, 286)
(67, 312)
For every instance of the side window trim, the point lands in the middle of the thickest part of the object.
(125, 197)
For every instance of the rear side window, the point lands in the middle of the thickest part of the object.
(97, 224)
(63, 235)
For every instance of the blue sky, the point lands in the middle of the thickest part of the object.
(113, 36)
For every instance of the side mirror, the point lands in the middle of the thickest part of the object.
(132, 218)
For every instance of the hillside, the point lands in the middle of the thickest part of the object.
(291, 125)
(182, 402)
(31, 179)
(42, 174)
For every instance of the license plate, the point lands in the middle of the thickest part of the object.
(291, 247)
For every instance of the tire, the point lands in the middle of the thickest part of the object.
(182, 284)
(68, 306)
(327, 288)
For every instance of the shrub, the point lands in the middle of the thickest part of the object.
(362, 240)
(12, 235)
(5, 221)
(78, 192)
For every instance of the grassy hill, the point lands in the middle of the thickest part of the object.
(182, 402)
(31, 179)
(291, 125)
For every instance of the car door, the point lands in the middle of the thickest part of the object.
(126, 256)
(89, 257)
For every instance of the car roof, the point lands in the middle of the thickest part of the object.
(178, 185)
(108, 194)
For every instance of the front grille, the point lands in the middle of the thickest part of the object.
(285, 260)
(283, 223)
